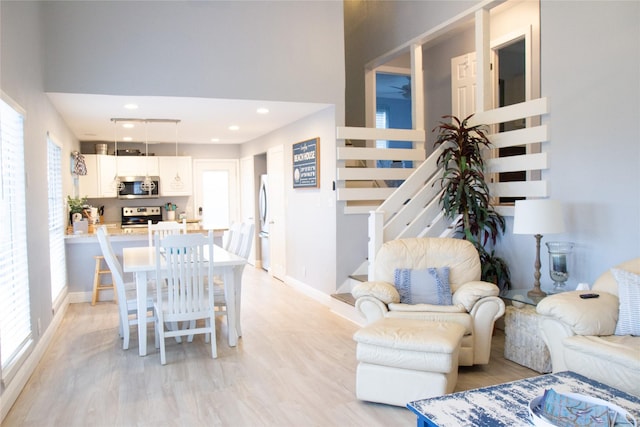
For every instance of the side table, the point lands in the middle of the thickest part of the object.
(522, 342)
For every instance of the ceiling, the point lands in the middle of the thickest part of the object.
(202, 120)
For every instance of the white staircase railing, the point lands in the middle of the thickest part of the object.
(412, 209)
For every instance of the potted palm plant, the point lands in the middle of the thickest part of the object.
(466, 193)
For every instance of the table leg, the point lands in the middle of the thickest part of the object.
(141, 293)
(230, 296)
(237, 273)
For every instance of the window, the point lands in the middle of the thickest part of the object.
(215, 199)
(57, 222)
(382, 122)
(15, 319)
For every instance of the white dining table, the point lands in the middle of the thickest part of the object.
(142, 262)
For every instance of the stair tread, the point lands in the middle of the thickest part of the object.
(346, 298)
(359, 277)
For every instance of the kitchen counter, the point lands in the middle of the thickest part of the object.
(81, 249)
(119, 234)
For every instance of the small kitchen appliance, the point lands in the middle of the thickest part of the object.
(137, 217)
(133, 187)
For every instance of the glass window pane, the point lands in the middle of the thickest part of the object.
(215, 199)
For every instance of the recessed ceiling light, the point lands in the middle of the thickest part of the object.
(262, 110)
(215, 139)
(127, 138)
(131, 106)
(128, 125)
(234, 127)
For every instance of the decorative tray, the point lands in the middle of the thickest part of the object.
(617, 415)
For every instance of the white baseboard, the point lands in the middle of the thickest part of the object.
(309, 291)
(17, 383)
(337, 307)
(79, 297)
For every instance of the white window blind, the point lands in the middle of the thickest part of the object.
(15, 319)
(382, 122)
(57, 222)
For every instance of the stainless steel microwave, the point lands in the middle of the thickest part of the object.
(133, 187)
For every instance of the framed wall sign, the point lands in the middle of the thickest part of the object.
(306, 164)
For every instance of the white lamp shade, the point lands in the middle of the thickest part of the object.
(542, 216)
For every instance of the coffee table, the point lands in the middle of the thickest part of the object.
(507, 404)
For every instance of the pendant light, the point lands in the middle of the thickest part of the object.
(148, 185)
(177, 183)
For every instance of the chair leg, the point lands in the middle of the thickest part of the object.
(125, 335)
(212, 326)
(173, 326)
(96, 282)
(157, 333)
(160, 332)
(192, 325)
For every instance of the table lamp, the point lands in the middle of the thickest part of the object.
(538, 217)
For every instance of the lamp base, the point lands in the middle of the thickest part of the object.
(536, 292)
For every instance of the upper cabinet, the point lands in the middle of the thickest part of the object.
(175, 175)
(137, 165)
(99, 180)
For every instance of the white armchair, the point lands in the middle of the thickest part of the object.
(580, 334)
(476, 304)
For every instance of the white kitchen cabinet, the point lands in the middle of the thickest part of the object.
(168, 167)
(98, 182)
(137, 165)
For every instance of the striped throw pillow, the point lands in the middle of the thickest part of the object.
(629, 297)
(428, 286)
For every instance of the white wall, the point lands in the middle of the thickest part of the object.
(590, 62)
(310, 214)
(21, 69)
(591, 74)
(265, 50)
(21, 79)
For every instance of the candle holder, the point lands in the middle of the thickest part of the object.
(559, 254)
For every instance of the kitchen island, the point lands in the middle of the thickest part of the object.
(82, 248)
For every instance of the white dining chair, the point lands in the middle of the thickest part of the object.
(184, 265)
(231, 237)
(243, 248)
(127, 303)
(165, 228)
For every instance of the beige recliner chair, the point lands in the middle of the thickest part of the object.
(476, 304)
(580, 333)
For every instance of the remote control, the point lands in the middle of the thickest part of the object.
(588, 296)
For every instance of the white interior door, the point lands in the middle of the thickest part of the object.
(463, 85)
(215, 195)
(276, 212)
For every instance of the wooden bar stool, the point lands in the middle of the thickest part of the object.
(97, 281)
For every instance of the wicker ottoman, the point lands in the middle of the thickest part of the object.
(402, 360)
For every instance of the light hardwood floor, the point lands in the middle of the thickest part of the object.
(295, 365)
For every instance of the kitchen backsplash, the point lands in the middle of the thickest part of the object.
(113, 207)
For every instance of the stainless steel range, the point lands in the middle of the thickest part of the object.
(137, 217)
